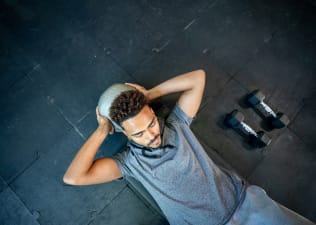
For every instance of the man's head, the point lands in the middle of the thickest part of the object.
(129, 110)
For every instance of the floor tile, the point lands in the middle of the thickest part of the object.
(209, 126)
(165, 19)
(302, 125)
(112, 22)
(278, 16)
(230, 34)
(112, 144)
(75, 74)
(284, 68)
(42, 190)
(29, 126)
(174, 60)
(121, 34)
(286, 174)
(3, 184)
(14, 63)
(143, 31)
(13, 211)
(31, 26)
(128, 209)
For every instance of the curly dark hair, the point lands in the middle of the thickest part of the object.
(127, 105)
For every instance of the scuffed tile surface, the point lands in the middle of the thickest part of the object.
(304, 123)
(208, 125)
(284, 68)
(13, 211)
(74, 75)
(3, 184)
(132, 212)
(113, 143)
(41, 187)
(30, 125)
(286, 174)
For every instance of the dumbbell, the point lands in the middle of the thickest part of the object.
(235, 120)
(276, 120)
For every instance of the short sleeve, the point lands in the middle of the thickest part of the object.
(179, 115)
(121, 159)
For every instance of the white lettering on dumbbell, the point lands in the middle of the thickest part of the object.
(268, 109)
(248, 129)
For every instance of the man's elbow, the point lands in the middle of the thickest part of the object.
(69, 180)
(201, 76)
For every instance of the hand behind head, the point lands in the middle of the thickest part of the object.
(104, 122)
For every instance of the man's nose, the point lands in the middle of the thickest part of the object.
(151, 134)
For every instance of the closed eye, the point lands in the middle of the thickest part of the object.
(138, 135)
(153, 123)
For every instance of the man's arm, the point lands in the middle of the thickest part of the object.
(190, 84)
(84, 170)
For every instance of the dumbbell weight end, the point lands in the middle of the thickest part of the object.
(261, 140)
(279, 121)
(235, 120)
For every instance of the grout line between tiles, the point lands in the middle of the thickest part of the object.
(109, 203)
(23, 203)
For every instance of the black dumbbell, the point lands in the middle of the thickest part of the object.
(276, 120)
(235, 120)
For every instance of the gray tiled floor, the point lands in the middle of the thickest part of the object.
(209, 123)
(302, 124)
(296, 190)
(56, 57)
(41, 188)
(128, 203)
(13, 211)
(30, 126)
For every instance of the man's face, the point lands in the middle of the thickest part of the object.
(143, 128)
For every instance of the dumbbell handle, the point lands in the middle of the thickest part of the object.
(267, 109)
(248, 129)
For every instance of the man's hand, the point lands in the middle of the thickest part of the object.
(83, 169)
(191, 85)
(104, 123)
(141, 89)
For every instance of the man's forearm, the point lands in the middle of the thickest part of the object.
(180, 83)
(84, 158)
(190, 84)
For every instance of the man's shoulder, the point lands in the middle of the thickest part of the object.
(123, 155)
(177, 115)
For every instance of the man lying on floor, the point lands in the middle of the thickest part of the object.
(166, 157)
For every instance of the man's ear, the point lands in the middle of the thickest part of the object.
(123, 130)
(151, 109)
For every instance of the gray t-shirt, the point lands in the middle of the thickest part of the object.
(187, 185)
